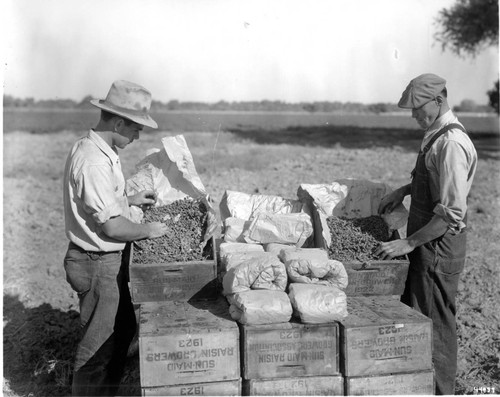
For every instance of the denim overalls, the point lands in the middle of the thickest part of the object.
(434, 273)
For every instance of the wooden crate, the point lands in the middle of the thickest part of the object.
(421, 383)
(226, 388)
(295, 386)
(184, 343)
(155, 282)
(381, 336)
(377, 277)
(289, 349)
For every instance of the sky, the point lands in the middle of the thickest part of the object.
(234, 50)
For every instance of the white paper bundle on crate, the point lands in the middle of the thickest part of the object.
(226, 249)
(316, 304)
(262, 273)
(234, 229)
(280, 228)
(276, 248)
(237, 258)
(263, 219)
(245, 206)
(258, 307)
(312, 266)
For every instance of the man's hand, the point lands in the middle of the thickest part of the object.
(157, 229)
(393, 249)
(144, 199)
(391, 201)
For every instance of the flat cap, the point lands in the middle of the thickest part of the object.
(421, 90)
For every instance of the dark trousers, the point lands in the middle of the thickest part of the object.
(431, 288)
(107, 318)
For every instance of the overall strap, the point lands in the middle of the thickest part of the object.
(442, 131)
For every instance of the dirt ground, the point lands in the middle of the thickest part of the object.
(40, 311)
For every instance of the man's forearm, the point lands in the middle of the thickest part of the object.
(405, 190)
(122, 229)
(432, 230)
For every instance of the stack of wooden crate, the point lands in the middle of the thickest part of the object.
(386, 348)
(188, 343)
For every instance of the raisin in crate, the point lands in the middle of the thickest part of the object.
(169, 281)
(366, 277)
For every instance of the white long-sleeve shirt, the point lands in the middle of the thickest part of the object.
(451, 163)
(94, 191)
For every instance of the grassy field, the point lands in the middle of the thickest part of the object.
(40, 121)
(252, 153)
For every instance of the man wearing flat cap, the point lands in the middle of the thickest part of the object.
(436, 229)
(97, 224)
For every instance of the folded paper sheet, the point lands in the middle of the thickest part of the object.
(234, 229)
(171, 173)
(267, 227)
(246, 206)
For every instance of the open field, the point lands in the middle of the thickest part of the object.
(178, 121)
(266, 154)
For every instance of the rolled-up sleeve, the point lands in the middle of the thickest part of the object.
(96, 188)
(449, 175)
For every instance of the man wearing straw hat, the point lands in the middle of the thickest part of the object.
(436, 230)
(96, 211)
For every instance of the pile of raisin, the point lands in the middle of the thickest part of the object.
(187, 222)
(356, 239)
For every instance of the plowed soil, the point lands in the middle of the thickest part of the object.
(40, 311)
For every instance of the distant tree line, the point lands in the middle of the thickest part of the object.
(466, 105)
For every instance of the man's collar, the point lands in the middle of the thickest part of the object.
(441, 121)
(103, 145)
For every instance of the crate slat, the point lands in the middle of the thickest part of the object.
(295, 386)
(226, 388)
(414, 383)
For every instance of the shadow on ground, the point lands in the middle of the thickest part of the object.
(352, 137)
(38, 351)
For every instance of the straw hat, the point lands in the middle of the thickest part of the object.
(128, 100)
